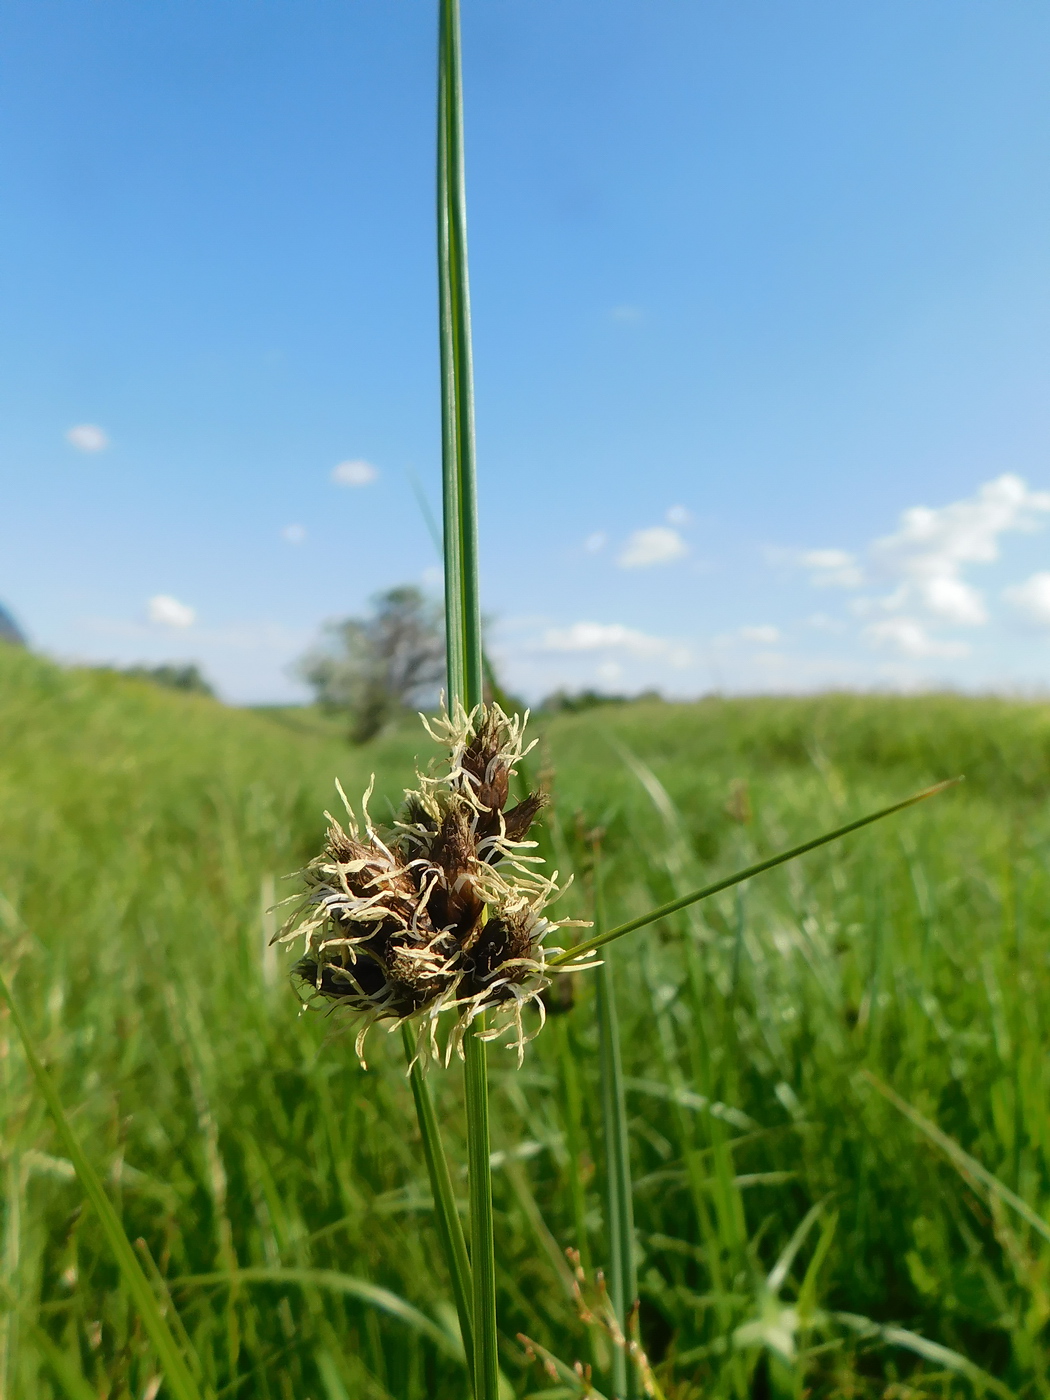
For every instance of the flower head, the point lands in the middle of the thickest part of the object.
(443, 911)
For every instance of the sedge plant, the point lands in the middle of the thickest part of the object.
(442, 914)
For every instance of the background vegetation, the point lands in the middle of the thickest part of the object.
(144, 835)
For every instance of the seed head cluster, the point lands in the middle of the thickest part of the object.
(443, 911)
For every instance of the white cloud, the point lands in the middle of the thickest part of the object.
(678, 515)
(433, 576)
(932, 547)
(821, 622)
(610, 672)
(656, 545)
(832, 568)
(765, 635)
(604, 636)
(169, 612)
(354, 473)
(596, 541)
(88, 437)
(294, 534)
(1032, 598)
(910, 638)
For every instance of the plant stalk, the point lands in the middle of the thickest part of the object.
(450, 1230)
(462, 596)
(619, 1209)
(482, 1246)
(463, 619)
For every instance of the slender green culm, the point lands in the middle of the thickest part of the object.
(463, 618)
(462, 598)
(483, 1254)
(180, 1382)
(683, 902)
(450, 1230)
(619, 1192)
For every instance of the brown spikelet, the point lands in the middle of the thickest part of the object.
(416, 920)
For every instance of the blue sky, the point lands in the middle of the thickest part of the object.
(761, 298)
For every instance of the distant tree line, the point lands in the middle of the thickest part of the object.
(171, 676)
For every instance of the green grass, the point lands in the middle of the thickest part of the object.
(140, 830)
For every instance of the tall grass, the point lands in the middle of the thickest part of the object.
(136, 824)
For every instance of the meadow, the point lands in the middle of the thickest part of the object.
(798, 1232)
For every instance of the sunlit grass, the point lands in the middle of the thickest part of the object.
(136, 824)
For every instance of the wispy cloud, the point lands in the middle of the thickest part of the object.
(88, 437)
(294, 534)
(832, 568)
(357, 472)
(166, 611)
(602, 636)
(658, 544)
(909, 637)
(1032, 598)
(678, 515)
(765, 635)
(595, 541)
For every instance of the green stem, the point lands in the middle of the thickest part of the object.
(622, 1280)
(462, 596)
(463, 616)
(482, 1246)
(450, 1230)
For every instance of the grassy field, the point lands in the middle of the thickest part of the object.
(797, 1232)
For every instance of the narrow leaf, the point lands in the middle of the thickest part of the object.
(674, 905)
(332, 1281)
(922, 1346)
(968, 1167)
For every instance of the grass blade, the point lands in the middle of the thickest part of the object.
(968, 1167)
(450, 1229)
(69, 1376)
(919, 1345)
(683, 902)
(176, 1372)
(333, 1281)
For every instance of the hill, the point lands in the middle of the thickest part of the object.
(143, 833)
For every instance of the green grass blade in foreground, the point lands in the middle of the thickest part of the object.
(619, 1231)
(450, 1230)
(673, 906)
(482, 1247)
(462, 598)
(332, 1281)
(68, 1375)
(968, 1167)
(919, 1345)
(179, 1379)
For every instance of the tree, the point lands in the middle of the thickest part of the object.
(373, 667)
(10, 630)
